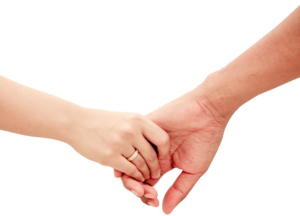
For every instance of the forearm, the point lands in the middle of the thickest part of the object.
(30, 112)
(271, 62)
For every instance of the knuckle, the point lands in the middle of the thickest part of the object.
(109, 153)
(140, 163)
(151, 158)
(117, 141)
(136, 117)
(131, 172)
(165, 139)
(127, 129)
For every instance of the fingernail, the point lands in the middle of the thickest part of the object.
(135, 193)
(151, 204)
(149, 196)
(156, 176)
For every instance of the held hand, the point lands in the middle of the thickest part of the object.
(109, 138)
(196, 129)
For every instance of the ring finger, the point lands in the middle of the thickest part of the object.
(140, 163)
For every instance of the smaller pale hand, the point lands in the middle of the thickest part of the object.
(109, 138)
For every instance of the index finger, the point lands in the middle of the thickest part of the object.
(158, 137)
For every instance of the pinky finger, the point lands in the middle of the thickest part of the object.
(124, 166)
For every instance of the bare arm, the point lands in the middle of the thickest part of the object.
(197, 120)
(101, 136)
(30, 112)
(271, 62)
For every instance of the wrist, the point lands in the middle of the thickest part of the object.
(222, 96)
(83, 122)
(70, 123)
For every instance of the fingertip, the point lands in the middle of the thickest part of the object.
(149, 191)
(132, 185)
(117, 173)
(113, 173)
(167, 212)
(169, 202)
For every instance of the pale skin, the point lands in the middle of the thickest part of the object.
(196, 121)
(102, 136)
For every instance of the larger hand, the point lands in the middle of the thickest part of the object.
(196, 129)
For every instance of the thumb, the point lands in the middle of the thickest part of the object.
(179, 190)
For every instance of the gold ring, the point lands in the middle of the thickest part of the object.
(133, 155)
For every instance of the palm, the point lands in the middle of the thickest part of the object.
(195, 135)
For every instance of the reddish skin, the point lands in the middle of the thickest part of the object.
(196, 130)
(194, 124)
